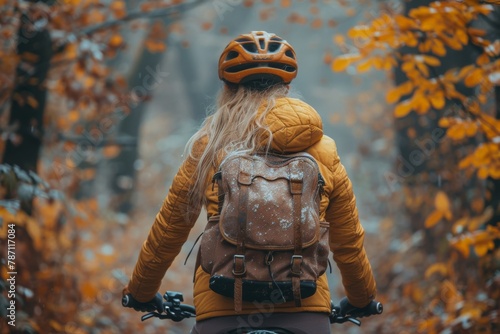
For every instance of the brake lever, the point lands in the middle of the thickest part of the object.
(149, 316)
(336, 317)
(354, 321)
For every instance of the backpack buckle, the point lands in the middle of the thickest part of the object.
(239, 267)
(296, 263)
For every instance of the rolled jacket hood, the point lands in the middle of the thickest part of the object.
(295, 125)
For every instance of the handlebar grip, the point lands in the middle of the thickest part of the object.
(188, 308)
(127, 301)
(375, 308)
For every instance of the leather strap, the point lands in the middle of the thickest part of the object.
(296, 183)
(239, 267)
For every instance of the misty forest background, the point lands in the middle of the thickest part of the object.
(98, 98)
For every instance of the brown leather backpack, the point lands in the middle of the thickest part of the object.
(267, 242)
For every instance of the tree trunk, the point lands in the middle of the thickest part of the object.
(145, 76)
(22, 148)
(29, 95)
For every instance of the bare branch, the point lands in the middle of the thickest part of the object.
(139, 14)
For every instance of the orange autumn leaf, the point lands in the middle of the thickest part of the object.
(483, 59)
(433, 61)
(483, 241)
(439, 268)
(118, 8)
(405, 23)
(462, 245)
(474, 78)
(314, 10)
(437, 99)
(364, 66)
(340, 63)
(87, 174)
(394, 94)
(434, 218)
(111, 151)
(32, 101)
(462, 36)
(155, 46)
(403, 108)
(443, 204)
(420, 103)
(332, 23)
(206, 25)
(328, 58)
(483, 173)
(339, 39)
(317, 23)
(285, 3)
(360, 31)
(456, 132)
(297, 18)
(115, 41)
(89, 290)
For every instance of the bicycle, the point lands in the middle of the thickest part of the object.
(174, 310)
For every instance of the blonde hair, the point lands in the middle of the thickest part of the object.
(235, 125)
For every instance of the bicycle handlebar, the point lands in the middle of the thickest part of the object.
(172, 307)
(339, 316)
(175, 311)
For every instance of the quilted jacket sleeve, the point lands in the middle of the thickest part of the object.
(167, 235)
(346, 239)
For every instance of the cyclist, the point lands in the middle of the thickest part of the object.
(254, 112)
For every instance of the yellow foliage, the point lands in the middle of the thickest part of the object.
(433, 61)
(118, 8)
(442, 203)
(340, 63)
(115, 41)
(111, 151)
(434, 218)
(420, 102)
(474, 77)
(485, 159)
(365, 65)
(394, 94)
(360, 31)
(461, 129)
(439, 268)
(403, 108)
(480, 240)
(437, 99)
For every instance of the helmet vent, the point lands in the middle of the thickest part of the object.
(289, 53)
(250, 47)
(232, 55)
(262, 43)
(274, 46)
(243, 67)
(283, 67)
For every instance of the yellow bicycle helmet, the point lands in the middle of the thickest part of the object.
(259, 59)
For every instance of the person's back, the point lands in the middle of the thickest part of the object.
(253, 115)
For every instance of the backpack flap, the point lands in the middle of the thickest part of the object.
(269, 211)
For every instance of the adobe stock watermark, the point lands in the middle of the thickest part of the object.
(97, 136)
(222, 7)
(423, 152)
(264, 310)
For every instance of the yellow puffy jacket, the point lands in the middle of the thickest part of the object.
(296, 126)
